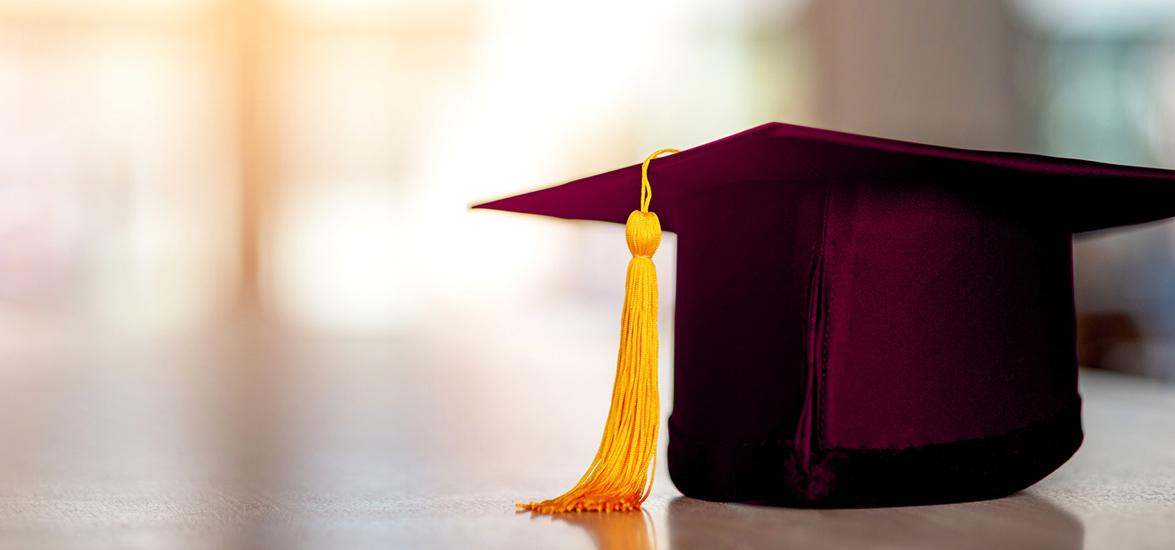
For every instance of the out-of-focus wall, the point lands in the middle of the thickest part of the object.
(922, 70)
(311, 163)
(117, 168)
(173, 166)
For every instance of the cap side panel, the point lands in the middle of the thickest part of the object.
(948, 319)
(740, 311)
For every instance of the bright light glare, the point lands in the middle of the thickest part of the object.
(339, 256)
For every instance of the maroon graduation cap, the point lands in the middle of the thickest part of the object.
(863, 321)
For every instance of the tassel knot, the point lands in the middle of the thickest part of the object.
(643, 233)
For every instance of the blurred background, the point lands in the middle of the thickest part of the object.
(168, 166)
(235, 241)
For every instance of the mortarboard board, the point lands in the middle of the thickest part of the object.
(859, 321)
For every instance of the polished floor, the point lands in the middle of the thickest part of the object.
(256, 440)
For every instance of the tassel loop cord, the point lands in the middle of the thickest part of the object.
(646, 188)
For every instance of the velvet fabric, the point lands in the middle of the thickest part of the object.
(864, 322)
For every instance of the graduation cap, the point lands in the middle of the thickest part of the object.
(859, 321)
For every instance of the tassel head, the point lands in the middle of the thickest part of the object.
(643, 233)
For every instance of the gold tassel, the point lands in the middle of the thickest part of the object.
(621, 475)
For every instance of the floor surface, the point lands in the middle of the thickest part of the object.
(258, 441)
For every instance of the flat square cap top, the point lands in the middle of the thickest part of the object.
(1075, 194)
